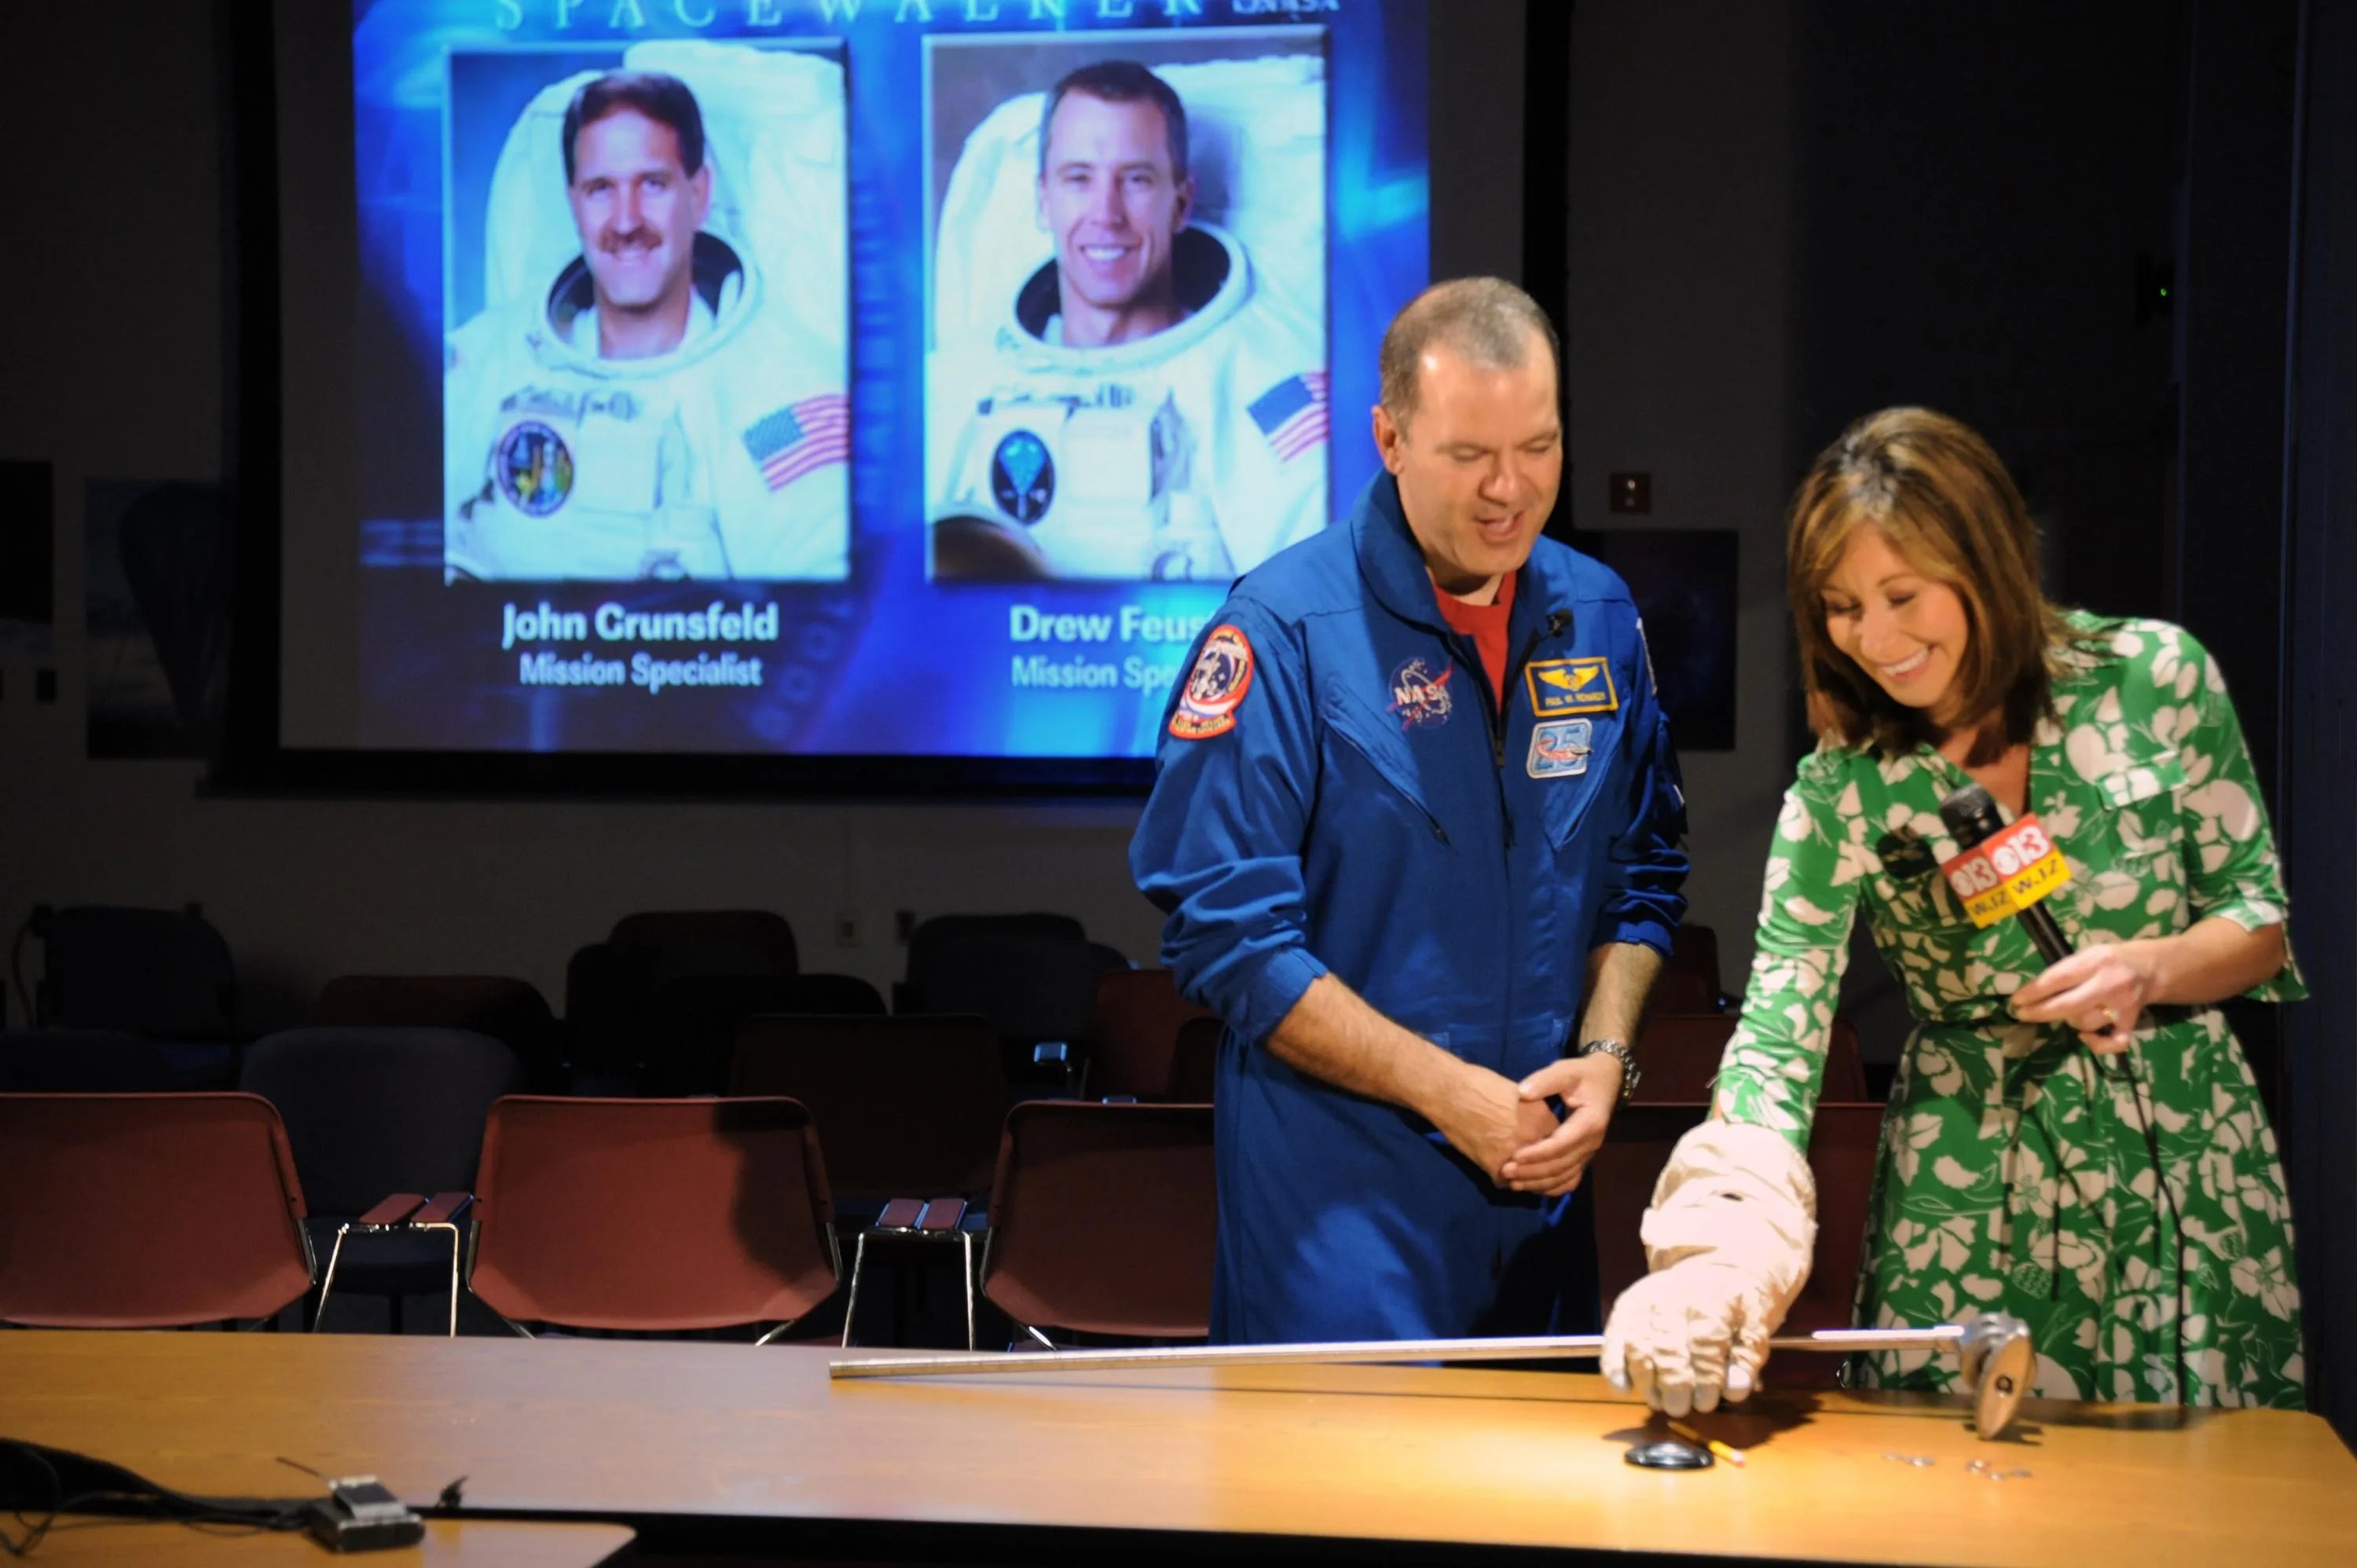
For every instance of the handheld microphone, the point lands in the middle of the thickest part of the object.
(2004, 868)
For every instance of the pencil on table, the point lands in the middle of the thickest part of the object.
(1732, 1455)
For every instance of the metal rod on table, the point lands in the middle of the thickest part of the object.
(1544, 1348)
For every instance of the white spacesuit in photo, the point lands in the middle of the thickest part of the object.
(1191, 455)
(725, 457)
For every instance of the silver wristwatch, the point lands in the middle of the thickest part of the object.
(1628, 1073)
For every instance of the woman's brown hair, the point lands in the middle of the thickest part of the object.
(1941, 496)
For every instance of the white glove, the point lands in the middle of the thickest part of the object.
(1728, 1237)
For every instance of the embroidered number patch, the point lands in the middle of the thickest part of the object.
(1560, 749)
(1221, 675)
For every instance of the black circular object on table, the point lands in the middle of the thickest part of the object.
(1669, 1453)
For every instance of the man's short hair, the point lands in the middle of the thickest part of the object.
(1121, 82)
(660, 97)
(1488, 320)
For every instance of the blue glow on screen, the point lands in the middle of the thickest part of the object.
(872, 637)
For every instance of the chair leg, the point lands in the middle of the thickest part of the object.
(1045, 1343)
(327, 1283)
(851, 1308)
(965, 1246)
(780, 1328)
(454, 1281)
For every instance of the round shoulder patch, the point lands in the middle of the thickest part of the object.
(1221, 675)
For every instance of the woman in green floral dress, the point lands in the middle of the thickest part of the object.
(2032, 1104)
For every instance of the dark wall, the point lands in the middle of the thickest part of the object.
(1982, 200)
(2320, 831)
(1677, 336)
(1973, 188)
(2234, 248)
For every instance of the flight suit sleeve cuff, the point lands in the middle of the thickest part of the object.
(1274, 990)
(1638, 928)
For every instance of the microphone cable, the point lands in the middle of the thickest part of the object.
(2129, 1075)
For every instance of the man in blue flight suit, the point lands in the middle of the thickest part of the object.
(1416, 826)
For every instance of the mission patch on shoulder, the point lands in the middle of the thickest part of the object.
(1222, 674)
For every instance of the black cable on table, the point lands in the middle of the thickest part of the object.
(33, 1481)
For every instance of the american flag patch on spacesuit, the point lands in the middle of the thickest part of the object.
(1292, 413)
(801, 437)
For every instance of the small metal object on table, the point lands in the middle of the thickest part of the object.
(1669, 1453)
(1988, 1472)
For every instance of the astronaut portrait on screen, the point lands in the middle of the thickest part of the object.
(1149, 401)
(657, 385)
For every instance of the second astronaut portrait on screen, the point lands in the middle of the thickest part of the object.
(649, 377)
(1126, 373)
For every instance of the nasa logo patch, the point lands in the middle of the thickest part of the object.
(1561, 687)
(1559, 750)
(1419, 697)
(534, 468)
(1023, 477)
(1221, 675)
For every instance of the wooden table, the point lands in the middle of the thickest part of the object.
(152, 1544)
(708, 1448)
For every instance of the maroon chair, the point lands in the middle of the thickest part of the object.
(1678, 1056)
(1101, 1219)
(1689, 977)
(908, 1106)
(146, 1211)
(1845, 1142)
(1133, 1030)
(1621, 1183)
(1844, 1079)
(909, 1109)
(1195, 1061)
(653, 1215)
